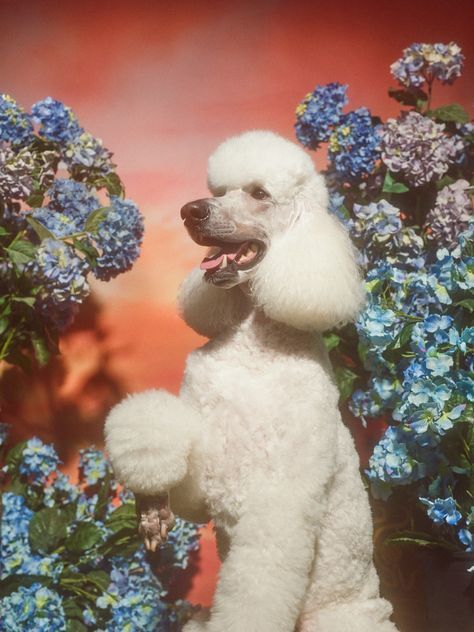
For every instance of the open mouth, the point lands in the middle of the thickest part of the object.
(230, 257)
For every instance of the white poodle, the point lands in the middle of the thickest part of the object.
(255, 440)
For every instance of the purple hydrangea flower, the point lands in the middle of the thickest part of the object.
(119, 238)
(57, 121)
(425, 62)
(418, 148)
(318, 114)
(450, 214)
(354, 145)
(24, 171)
(15, 124)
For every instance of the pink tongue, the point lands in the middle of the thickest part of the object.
(211, 263)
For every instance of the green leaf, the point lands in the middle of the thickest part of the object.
(331, 341)
(444, 182)
(27, 300)
(75, 625)
(14, 456)
(415, 538)
(35, 199)
(3, 231)
(48, 528)
(40, 230)
(13, 582)
(391, 186)
(4, 324)
(100, 579)
(414, 96)
(95, 218)
(103, 497)
(124, 516)
(84, 537)
(452, 113)
(40, 348)
(111, 182)
(345, 379)
(72, 609)
(393, 351)
(467, 303)
(21, 251)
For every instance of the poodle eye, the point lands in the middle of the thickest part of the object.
(219, 193)
(259, 194)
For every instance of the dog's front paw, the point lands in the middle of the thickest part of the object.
(155, 520)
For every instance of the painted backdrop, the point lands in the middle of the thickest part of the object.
(162, 83)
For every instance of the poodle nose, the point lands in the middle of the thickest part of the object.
(195, 211)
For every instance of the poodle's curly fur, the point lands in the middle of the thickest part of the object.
(255, 441)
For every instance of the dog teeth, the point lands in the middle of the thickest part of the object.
(224, 262)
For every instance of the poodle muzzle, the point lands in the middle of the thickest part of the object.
(234, 247)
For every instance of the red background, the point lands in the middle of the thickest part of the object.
(162, 83)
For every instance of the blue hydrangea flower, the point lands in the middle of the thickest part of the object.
(72, 198)
(38, 460)
(57, 122)
(4, 432)
(318, 114)
(442, 510)
(93, 465)
(377, 325)
(15, 124)
(467, 539)
(33, 608)
(62, 272)
(17, 557)
(425, 62)
(119, 238)
(86, 154)
(354, 145)
(397, 459)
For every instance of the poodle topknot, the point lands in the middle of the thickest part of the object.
(255, 440)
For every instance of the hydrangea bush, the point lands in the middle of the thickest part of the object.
(71, 559)
(404, 189)
(63, 218)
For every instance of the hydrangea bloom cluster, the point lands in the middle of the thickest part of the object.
(450, 214)
(410, 355)
(353, 138)
(33, 608)
(56, 230)
(15, 124)
(422, 63)
(80, 544)
(319, 113)
(418, 149)
(57, 121)
(354, 145)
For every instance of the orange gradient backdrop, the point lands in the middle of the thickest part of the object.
(162, 83)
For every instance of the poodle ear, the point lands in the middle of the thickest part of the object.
(208, 309)
(309, 278)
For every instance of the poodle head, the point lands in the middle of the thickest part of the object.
(268, 229)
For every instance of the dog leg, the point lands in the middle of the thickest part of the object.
(149, 438)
